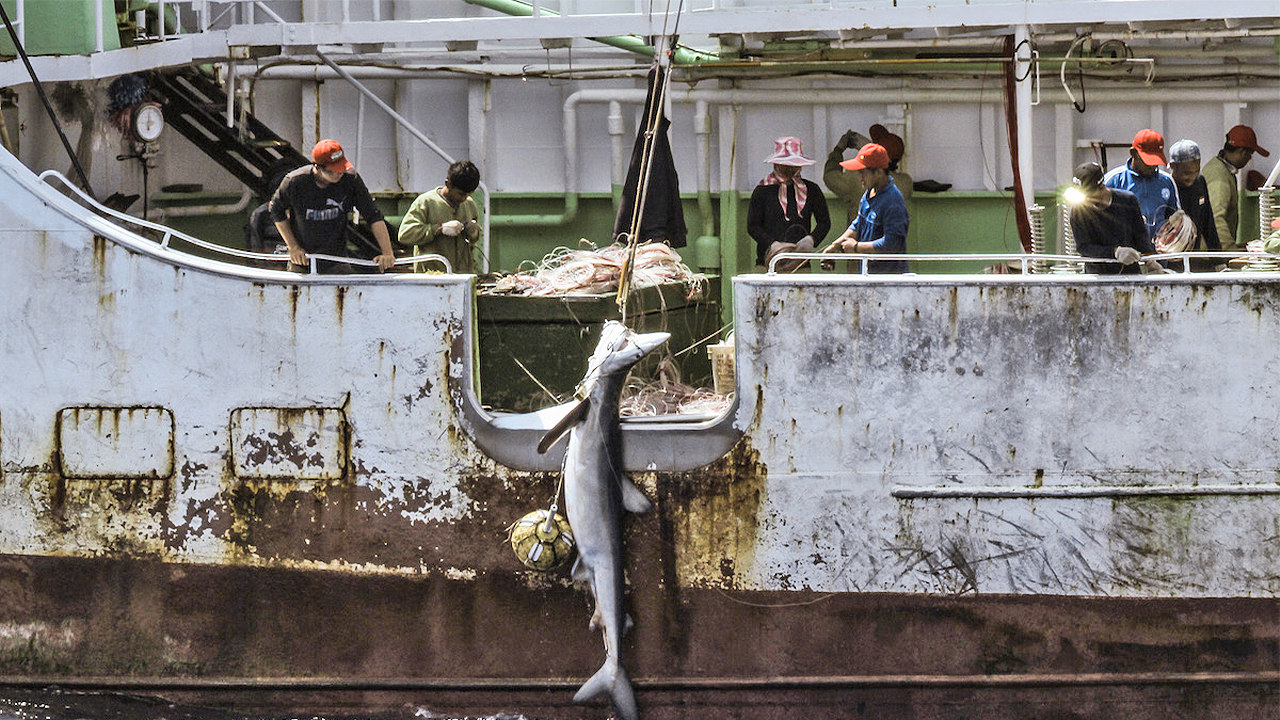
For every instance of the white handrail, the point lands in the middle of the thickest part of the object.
(1023, 259)
(168, 233)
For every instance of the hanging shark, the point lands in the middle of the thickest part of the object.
(596, 492)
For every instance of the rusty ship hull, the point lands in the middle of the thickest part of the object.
(246, 487)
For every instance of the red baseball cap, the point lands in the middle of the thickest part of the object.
(870, 156)
(1244, 136)
(1150, 147)
(329, 155)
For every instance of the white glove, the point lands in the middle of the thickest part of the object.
(451, 228)
(1154, 267)
(805, 245)
(1127, 255)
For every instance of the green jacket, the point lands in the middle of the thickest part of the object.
(420, 230)
(1221, 180)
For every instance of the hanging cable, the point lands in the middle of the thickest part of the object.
(22, 53)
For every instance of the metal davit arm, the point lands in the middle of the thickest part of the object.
(672, 443)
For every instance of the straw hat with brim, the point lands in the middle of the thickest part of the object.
(788, 151)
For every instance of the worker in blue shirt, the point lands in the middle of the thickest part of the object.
(881, 224)
(1156, 191)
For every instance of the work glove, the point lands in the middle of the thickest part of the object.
(451, 228)
(1127, 255)
(805, 245)
(473, 228)
(1155, 268)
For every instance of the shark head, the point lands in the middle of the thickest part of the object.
(619, 350)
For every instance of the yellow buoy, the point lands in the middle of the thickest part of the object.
(542, 540)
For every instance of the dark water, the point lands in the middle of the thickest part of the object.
(58, 704)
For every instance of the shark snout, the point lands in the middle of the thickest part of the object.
(648, 342)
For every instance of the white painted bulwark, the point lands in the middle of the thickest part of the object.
(880, 401)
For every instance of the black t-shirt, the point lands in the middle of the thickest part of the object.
(1099, 231)
(319, 215)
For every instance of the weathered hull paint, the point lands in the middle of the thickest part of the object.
(290, 490)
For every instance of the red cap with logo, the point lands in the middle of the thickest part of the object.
(1150, 147)
(329, 155)
(870, 156)
(1244, 136)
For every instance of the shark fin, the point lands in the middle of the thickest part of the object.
(612, 680)
(633, 498)
(571, 418)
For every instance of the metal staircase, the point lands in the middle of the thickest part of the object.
(195, 106)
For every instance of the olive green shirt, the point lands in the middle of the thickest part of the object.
(1220, 178)
(420, 230)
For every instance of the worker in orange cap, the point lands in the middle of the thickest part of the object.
(881, 223)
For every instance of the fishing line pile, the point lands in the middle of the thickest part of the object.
(666, 395)
(595, 272)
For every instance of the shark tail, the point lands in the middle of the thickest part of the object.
(612, 680)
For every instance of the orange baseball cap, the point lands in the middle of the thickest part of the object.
(329, 155)
(1150, 147)
(1244, 136)
(870, 156)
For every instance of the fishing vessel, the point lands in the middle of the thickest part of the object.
(946, 494)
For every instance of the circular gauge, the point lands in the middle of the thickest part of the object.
(148, 121)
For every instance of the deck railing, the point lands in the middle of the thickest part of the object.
(167, 235)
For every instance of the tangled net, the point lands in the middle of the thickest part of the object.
(1177, 234)
(596, 272)
(666, 395)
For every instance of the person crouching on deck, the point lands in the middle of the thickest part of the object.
(882, 221)
(443, 221)
(787, 213)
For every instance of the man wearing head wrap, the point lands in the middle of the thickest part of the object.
(846, 185)
(787, 212)
(1220, 175)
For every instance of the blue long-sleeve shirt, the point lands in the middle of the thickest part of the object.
(882, 221)
(1157, 194)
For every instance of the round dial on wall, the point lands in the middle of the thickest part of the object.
(148, 121)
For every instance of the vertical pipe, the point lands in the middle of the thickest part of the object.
(22, 22)
(1022, 96)
(618, 175)
(98, 40)
(231, 95)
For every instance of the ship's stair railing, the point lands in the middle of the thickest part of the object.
(166, 235)
(196, 106)
(1026, 263)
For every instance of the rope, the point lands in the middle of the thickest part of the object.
(653, 120)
